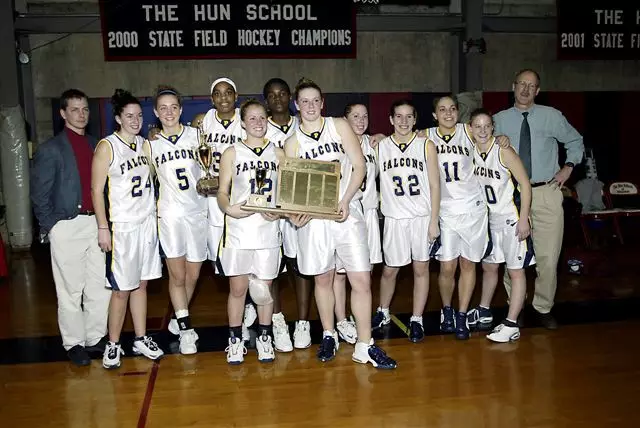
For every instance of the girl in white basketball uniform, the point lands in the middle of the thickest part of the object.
(251, 242)
(182, 212)
(324, 245)
(358, 118)
(281, 125)
(222, 129)
(463, 215)
(410, 203)
(123, 197)
(507, 191)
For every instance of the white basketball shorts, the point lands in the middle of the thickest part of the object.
(214, 235)
(289, 238)
(184, 236)
(372, 222)
(405, 240)
(264, 263)
(465, 235)
(324, 245)
(134, 255)
(507, 248)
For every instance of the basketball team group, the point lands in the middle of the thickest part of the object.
(455, 193)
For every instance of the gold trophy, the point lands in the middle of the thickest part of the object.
(207, 185)
(258, 198)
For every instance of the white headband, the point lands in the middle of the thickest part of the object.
(223, 79)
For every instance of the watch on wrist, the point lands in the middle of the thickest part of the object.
(570, 164)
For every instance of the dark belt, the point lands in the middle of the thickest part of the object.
(86, 212)
(540, 183)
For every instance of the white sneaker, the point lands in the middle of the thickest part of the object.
(173, 327)
(302, 335)
(347, 331)
(281, 338)
(148, 348)
(188, 339)
(265, 349)
(504, 334)
(250, 314)
(246, 336)
(235, 351)
(111, 356)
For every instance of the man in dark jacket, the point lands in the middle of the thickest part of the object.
(61, 198)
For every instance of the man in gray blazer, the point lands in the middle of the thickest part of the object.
(61, 198)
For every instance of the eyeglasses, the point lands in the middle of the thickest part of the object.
(522, 84)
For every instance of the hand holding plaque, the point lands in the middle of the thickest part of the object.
(207, 185)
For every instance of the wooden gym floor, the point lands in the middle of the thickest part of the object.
(584, 374)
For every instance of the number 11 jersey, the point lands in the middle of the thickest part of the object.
(460, 190)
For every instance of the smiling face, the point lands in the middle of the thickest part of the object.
(309, 103)
(358, 118)
(224, 98)
(278, 97)
(446, 113)
(254, 121)
(76, 115)
(403, 120)
(130, 120)
(525, 89)
(482, 128)
(168, 110)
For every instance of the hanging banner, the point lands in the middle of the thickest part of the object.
(196, 29)
(598, 29)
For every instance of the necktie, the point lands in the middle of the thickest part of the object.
(525, 143)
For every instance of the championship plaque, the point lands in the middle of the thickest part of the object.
(304, 187)
(207, 185)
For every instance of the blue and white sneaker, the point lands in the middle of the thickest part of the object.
(364, 353)
(416, 332)
(462, 329)
(379, 319)
(480, 318)
(328, 347)
(447, 323)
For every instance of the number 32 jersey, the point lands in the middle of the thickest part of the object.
(404, 182)
(174, 158)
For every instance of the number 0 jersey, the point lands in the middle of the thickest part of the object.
(221, 134)
(326, 145)
(459, 188)
(129, 190)
(404, 182)
(174, 158)
(500, 188)
(253, 232)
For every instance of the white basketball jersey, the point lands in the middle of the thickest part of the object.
(326, 145)
(174, 158)
(500, 188)
(129, 189)
(220, 134)
(278, 134)
(253, 232)
(459, 188)
(404, 182)
(370, 198)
